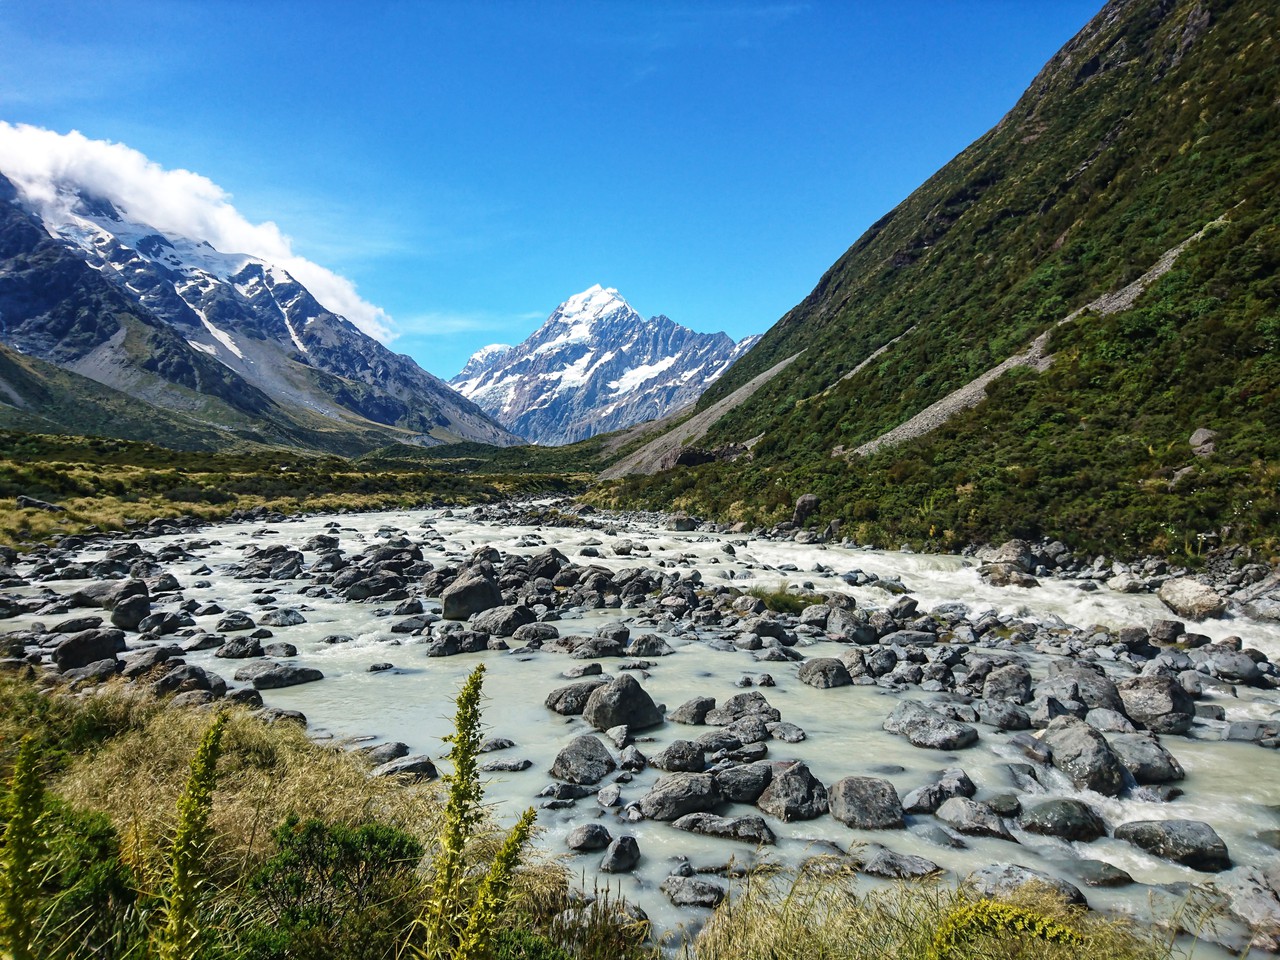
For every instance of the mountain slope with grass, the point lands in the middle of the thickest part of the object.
(1153, 126)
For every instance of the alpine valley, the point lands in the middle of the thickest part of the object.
(594, 366)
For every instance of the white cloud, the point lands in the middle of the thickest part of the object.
(45, 165)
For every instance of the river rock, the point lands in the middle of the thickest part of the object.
(1066, 817)
(1011, 682)
(1000, 880)
(418, 767)
(471, 593)
(877, 861)
(88, 646)
(571, 700)
(1146, 759)
(584, 760)
(927, 799)
(587, 837)
(680, 756)
(748, 829)
(693, 711)
(240, 648)
(866, 803)
(502, 621)
(743, 783)
(677, 794)
(1192, 843)
(794, 794)
(1191, 599)
(1084, 755)
(692, 891)
(926, 728)
(1158, 703)
(621, 856)
(146, 660)
(824, 673)
(621, 701)
(279, 675)
(974, 818)
(131, 611)
(284, 617)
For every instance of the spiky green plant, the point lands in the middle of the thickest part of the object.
(458, 919)
(179, 937)
(20, 857)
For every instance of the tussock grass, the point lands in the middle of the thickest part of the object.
(820, 914)
(782, 600)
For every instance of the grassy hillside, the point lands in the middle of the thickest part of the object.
(1158, 118)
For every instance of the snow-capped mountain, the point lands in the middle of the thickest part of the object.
(595, 365)
(228, 340)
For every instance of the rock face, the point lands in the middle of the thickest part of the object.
(1191, 843)
(1190, 599)
(595, 365)
(621, 702)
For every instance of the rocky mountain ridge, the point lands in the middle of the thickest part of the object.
(595, 365)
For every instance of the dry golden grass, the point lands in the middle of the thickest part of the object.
(820, 914)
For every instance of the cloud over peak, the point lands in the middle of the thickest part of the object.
(49, 167)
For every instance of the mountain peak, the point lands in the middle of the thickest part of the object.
(594, 302)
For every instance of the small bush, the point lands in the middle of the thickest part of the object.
(783, 601)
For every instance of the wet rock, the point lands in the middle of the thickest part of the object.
(677, 794)
(381, 584)
(583, 760)
(649, 645)
(926, 728)
(1146, 759)
(973, 818)
(750, 704)
(381, 753)
(571, 700)
(188, 676)
(1084, 755)
(794, 794)
(621, 856)
(1109, 721)
(999, 881)
(1003, 715)
(927, 799)
(824, 673)
(1191, 599)
(1011, 683)
(1099, 873)
(240, 648)
(417, 767)
(786, 732)
(692, 891)
(98, 672)
(1067, 818)
(235, 622)
(621, 701)
(1192, 843)
(278, 675)
(146, 660)
(506, 765)
(587, 837)
(1251, 897)
(866, 803)
(502, 621)
(1157, 703)
(282, 649)
(748, 829)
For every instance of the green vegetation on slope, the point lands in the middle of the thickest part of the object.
(1146, 127)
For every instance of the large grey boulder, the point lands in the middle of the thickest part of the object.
(583, 760)
(1192, 843)
(974, 818)
(621, 701)
(744, 783)
(1011, 682)
(131, 611)
(680, 756)
(1083, 754)
(279, 675)
(692, 891)
(1146, 759)
(794, 794)
(824, 673)
(1191, 599)
(866, 803)
(471, 593)
(417, 767)
(693, 711)
(926, 728)
(1158, 703)
(587, 837)
(1085, 682)
(677, 794)
(877, 861)
(1065, 817)
(621, 856)
(748, 829)
(88, 646)
(502, 621)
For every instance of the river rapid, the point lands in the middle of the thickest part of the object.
(1234, 786)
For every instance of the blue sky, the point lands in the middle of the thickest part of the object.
(469, 166)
